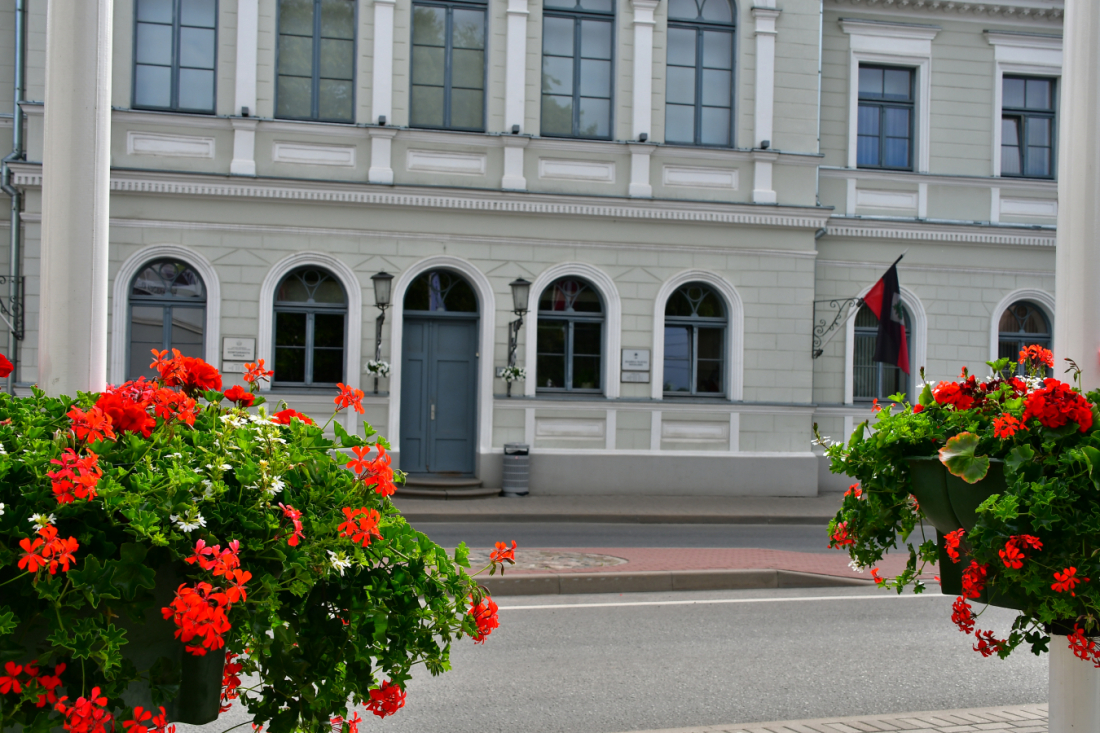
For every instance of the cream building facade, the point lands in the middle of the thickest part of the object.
(687, 185)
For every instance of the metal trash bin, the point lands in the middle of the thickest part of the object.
(517, 469)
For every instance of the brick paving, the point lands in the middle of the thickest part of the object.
(1010, 719)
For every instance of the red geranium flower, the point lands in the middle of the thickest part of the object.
(503, 553)
(360, 525)
(386, 700)
(1082, 646)
(77, 477)
(349, 397)
(283, 417)
(192, 374)
(1006, 426)
(140, 716)
(10, 681)
(485, 616)
(1013, 553)
(1067, 580)
(6, 367)
(955, 394)
(918, 408)
(840, 536)
(240, 396)
(91, 426)
(988, 645)
(973, 579)
(1037, 355)
(951, 543)
(253, 373)
(127, 415)
(295, 517)
(86, 715)
(962, 615)
(855, 490)
(1056, 404)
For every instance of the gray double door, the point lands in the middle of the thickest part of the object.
(439, 394)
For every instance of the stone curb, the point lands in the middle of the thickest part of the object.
(414, 517)
(661, 581)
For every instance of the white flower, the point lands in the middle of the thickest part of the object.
(1, 508)
(262, 420)
(188, 525)
(855, 565)
(2, 451)
(234, 421)
(207, 489)
(175, 455)
(339, 561)
(42, 519)
(825, 441)
(378, 368)
(275, 487)
(225, 467)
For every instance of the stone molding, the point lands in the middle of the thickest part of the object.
(1003, 9)
(956, 233)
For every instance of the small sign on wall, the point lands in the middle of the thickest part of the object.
(238, 349)
(232, 367)
(637, 377)
(635, 360)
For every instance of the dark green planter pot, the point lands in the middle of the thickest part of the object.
(950, 503)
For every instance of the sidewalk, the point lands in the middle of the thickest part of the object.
(1011, 719)
(625, 509)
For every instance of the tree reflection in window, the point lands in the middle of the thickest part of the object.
(167, 311)
(311, 310)
(440, 291)
(695, 341)
(570, 337)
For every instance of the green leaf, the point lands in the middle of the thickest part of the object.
(1020, 455)
(958, 456)
(857, 435)
(462, 555)
(8, 622)
(131, 572)
(926, 397)
(213, 396)
(95, 581)
(346, 439)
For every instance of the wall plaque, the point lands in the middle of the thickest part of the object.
(238, 349)
(640, 377)
(636, 360)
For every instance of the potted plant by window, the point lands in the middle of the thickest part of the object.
(162, 539)
(1007, 470)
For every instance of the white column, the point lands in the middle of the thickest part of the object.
(514, 179)
(244, 130)
(765, 71)
(1074, 701)
(643, 67)
(515, 78)
(640, 187)
(381, 101)
(76, 187)
(381, 153)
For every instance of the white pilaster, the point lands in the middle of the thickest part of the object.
(381, 104)
(1077, 260)
(244, 147)
(515, 79)
(765, 71)
(381, 154)
(76, 169)
(763, 192)
(640, 187)
(1074, 701)
(643, 69)
(244, 130)
(514, 179)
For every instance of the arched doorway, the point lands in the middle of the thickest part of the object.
(439, 376)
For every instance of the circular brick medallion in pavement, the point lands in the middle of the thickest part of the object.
(549, 560)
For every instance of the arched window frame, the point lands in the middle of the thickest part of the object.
(168, 323)
(311, 310)
(571, 319)
(907, 379)
(735, 332)
(120, 298)
(613, 322)
(918, 344)
(695, 322)
(1041, 298)
(699, 26)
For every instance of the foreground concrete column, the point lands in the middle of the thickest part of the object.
(72, 349)
(1074, 701)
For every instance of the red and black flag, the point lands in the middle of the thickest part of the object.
(884, 300)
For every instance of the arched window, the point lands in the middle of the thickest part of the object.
(570, 337)
(440, 291)
(311, 310)
(1022, 324)
(695, 341)
(874, 379)
(167, 311)
(699, 90)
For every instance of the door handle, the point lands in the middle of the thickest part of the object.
(433, 411)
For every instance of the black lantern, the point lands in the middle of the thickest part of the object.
(383, 282)
(521, 291)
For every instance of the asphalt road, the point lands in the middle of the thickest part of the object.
(595, 664)
(794, 537)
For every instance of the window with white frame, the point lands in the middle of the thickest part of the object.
(311, 313)
(699, 90)
(1028, 123)
(695, 341)
(448, 66)
(316, 60)
(175, 52)
(885, 127)
(570, 337)
(167, 303)
(873, 379)
(577, 68)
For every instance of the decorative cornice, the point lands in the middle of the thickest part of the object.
(1005, 9)
(998, 235)
(183, 184)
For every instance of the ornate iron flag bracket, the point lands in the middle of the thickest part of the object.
(11, 307)
(840, 310)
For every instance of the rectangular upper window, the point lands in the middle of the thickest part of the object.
(448, 66)
(576, 68)
(316, 60)
(175, 50)
(1028, 122)
(886, 111)
(699, 91)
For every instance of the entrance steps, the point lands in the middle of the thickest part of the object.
(443, 487)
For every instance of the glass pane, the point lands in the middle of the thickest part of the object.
(586, 372)
(679, 123)
(708, 375)
(599, 6)
(896, 152)
(1038, 161)
(586, 339)
(197, 48)
(337, 59)
(199, 12)
(427, 65)
(290, 364)
(1038, 131)
(296, 55)
(429, 25)
(560, 4)
(570, 295)
(716, 87)
(715, 126)
(681, 46)
(468, 109)
(717, 49)
(1012, 92)
(897, 83)
(328, 330)
(717, 11)
(681, 85)
(197, 90)
(557, 115)
(187, 328)
(291, 290)
(595, 117)
(710, 343)
(551, 371)
(595, 39)
(557, 36)
(897, 122)
(152, 86)
(1038, 94)
(290, 329)
(469, 29)
(327, 290)
(427, 105)
(146, 330)
(1010, 131)
(1010, 161)
(677, 359)
(869, 119)
(295, 97)
(683, 9)
(551, 354)
(156, 11)
(867, 150)
(557, 75)
(870, 82)
(865, 371)
(328, 366)
(866, 318)
(186, 284)
(595, 78)
(338, 19)
(296, 16)
(468, 68)
(154, 44)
